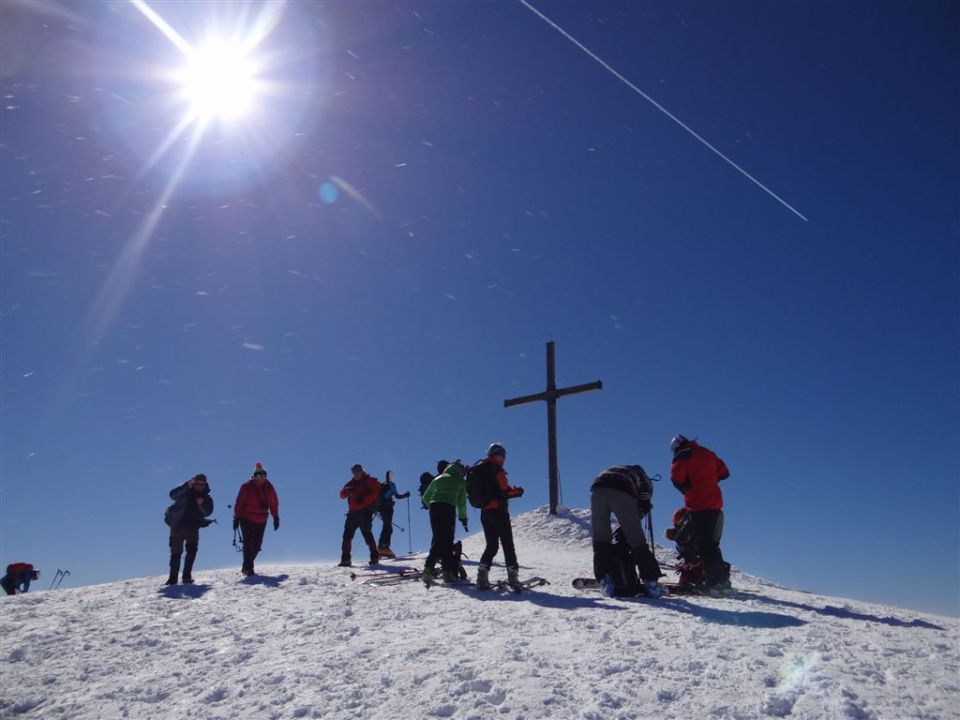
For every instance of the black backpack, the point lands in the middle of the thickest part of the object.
(482, 486)
(622, 567)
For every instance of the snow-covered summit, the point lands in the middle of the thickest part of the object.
(307, 641)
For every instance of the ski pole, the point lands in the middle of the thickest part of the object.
(653, 546)
(391, 522)
(54, 578)
(410, 536)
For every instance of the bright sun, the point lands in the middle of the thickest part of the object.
(218, 81)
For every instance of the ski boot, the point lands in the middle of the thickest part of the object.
(513, 578)
(449, 576)
(345, 555)
(653, 589)
(428, 575)
(386, 552)
(188, 565)
(483, 577)
(174, 570)
(608, 587)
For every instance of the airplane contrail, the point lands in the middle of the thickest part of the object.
(661, 108)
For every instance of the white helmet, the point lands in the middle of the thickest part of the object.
(677, 442)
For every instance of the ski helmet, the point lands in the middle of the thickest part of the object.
(677, 442)
(496, 449)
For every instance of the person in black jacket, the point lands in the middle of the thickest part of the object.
(192, 505)
(626, 492)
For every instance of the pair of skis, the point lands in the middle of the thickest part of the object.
(498, 585)
(387, 579)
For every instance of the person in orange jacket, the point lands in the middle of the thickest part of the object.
(696, 472)
(495, 518)
(362, 493)
(256, 498)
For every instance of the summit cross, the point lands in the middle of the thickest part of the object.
(550, 395)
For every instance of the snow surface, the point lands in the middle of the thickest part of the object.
(308, 642)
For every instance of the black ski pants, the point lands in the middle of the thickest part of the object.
(498, 531)
(252, 540)
(183, 536)
(707, 528)
(361, 520)
(386, 532)
(443, 523)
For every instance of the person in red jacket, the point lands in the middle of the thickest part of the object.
(495, 518)
(362, 492)
(697, 472)
(18, 577)
(256, 498)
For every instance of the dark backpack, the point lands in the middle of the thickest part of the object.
(482, 486)
(623, 569)
(172, 515)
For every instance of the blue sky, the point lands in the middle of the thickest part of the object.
(366, 264)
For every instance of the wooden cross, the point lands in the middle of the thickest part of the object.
(550, 395)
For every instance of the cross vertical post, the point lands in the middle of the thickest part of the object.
(550, 395)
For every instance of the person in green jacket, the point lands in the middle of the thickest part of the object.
(446, 498)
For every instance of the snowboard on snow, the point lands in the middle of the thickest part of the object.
(672, 588)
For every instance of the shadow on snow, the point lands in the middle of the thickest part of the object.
(268, 580)
(183, 591)
(847, 614)
(749, 618)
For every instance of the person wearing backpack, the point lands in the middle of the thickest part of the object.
(388, 492)
(18, 578)
(362, 493)
(447, 498)
(426, 478)
(256, 498)
(626, 492)
(696, 472)
(690, 565)
(192, 505)
(491, 494)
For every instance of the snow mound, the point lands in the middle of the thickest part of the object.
(307, 641)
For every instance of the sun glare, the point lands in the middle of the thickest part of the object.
(218, 82)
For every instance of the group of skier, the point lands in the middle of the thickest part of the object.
(191, 510)
(623, 562)
(446, 495)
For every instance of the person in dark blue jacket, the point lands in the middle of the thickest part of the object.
(192, 505)
(388, 494)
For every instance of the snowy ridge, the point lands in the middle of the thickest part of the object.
(306, 641)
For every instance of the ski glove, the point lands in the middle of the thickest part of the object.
(464, 523)
(519, 491)
(236, 523)
(276, 523)
(405, 495)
